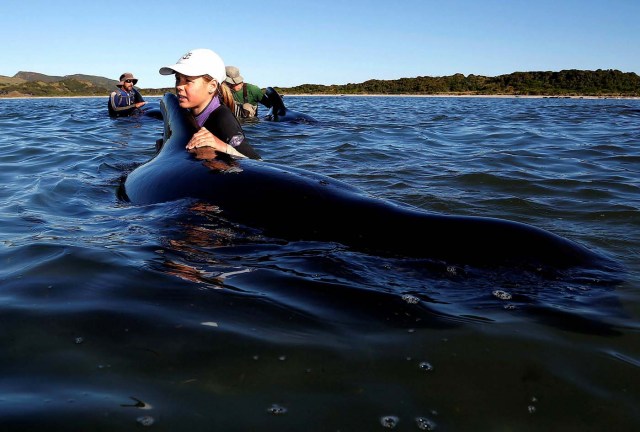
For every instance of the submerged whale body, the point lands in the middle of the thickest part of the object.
(296, 204)
(151, 109)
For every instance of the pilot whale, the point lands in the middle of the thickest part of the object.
(280, 113)
(295, 204)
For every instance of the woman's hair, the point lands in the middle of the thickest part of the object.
(224, 94)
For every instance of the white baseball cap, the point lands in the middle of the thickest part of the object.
(198, 62)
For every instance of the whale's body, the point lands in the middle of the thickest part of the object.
(280, 113)
(296, 204)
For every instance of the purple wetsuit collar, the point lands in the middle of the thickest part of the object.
(204, 115)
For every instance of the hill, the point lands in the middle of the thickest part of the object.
(96, 81)
(5, 80)
(36, 84)
(35, 76)
(610, 82)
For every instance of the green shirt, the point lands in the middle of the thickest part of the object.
(254, 95)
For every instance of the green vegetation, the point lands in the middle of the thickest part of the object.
(563, 83)
(609, 83)
(64, 87)
(157, 92)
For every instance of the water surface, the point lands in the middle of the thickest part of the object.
(116, 316)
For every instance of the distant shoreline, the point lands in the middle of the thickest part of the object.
(496, 96)
(566, 83)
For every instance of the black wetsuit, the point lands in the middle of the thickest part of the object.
(224, 125)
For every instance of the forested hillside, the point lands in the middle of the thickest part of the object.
(563, 83)
(573, 82)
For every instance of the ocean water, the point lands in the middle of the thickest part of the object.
(116, 317)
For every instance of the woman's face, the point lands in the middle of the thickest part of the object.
(194, 92)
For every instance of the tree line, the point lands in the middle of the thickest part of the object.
(564, 83)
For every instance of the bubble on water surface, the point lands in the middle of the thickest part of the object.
(502, 295)
(452, 270)
(425, 424)
(532, 408)
(389, 422)
(276, 409)
(411, 299)
(145, 420)
(426, 366)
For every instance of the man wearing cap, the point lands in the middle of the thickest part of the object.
(126, 99)
(247, 96)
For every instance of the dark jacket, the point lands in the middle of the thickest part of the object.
(122, 104)
(224, 125)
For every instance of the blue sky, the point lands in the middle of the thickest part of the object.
(287, 43)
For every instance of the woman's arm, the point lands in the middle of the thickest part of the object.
(204, 138)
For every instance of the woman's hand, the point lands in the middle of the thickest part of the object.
(204, 138)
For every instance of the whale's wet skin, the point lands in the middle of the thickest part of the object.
(279, 112)
(301, 205)
(491, 284)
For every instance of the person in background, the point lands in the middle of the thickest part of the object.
(127, 99)
(199, 76)
(247, 96)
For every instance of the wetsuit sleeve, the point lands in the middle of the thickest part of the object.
(224, 125)
(137, 96)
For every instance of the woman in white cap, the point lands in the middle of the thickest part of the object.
(199, 75)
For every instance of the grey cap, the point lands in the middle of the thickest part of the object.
(233, 75)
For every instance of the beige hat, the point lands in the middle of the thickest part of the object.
(233, 75)
(127, 76)
(196, 63)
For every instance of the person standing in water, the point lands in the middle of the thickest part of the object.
(126, 100)
(247, 96)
